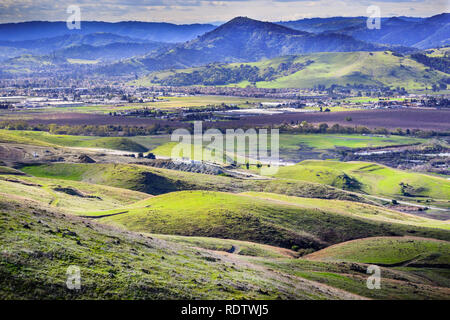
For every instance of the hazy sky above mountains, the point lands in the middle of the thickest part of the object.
(190, 11)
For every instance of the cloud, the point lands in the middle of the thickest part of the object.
(188, 11)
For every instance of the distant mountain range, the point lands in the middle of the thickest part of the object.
(139, 47)
(154, 31)
(243, 39)
(422, 33)
(100, 45)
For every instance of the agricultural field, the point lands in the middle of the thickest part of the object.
(408, 118)
(310, 146)
(296, 147)
(163, 103)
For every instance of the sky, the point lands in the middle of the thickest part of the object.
(210, 11)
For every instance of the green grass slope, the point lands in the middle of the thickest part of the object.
(396, 283)
(38, 245)
(370, 178)
(158, 181)
(40, 138)
(243, 248)
(361, 210)
(370, 68)
(327, 68)
(266, 220)
(389, 251)
(70, 196)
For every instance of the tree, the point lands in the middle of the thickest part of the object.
(435, 87)
(323, 127)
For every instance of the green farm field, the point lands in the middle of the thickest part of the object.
(163, 103)
(296, 147)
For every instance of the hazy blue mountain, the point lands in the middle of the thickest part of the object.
(155, 31)
(318, 25)
(243, 39)
(45, 45)
(112, 51)
(100, 45)
(420, 33)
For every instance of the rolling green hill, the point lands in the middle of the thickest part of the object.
(372, 179)
(121, 265)
(158, 181)
(117, 264)
(275, 220)
(70, 196)
(389, 251)
(306, 71)
(41, 138)
(242, 248)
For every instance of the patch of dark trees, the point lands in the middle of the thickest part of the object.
(213, 75)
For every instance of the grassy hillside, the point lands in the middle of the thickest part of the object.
(370, 178)
(70, 196)
(325, 68)
(40, 138)
(243, 248)
(354, 209)
(266, 219)
(390, 251)
(370, 68)
(117, 264)
(396, 283)
(157, 181)
(121, 265)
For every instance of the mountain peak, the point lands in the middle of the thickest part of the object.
(242, 19)
(440, 18)
(242, 24)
